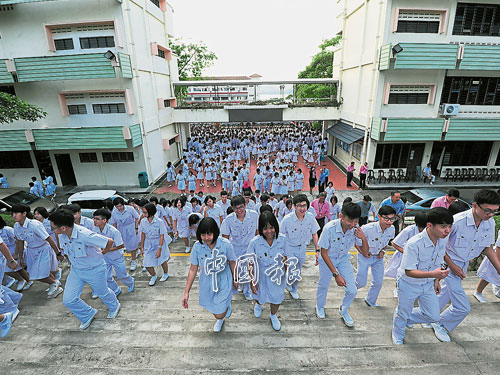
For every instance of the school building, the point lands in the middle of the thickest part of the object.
(419, 83)
(103, 71)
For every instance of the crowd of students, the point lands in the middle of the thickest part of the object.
(256, 245)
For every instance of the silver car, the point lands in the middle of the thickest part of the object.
(9, 197)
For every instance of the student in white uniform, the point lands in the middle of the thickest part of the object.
(9, 300)
(337, 238)
(19, 273)
(84, 221)
(299, 227)
(488, 274)
(38, 247)
(113, 256)
(224, 203)
(420, 273)
(240, 227)
(473, 233)
(212, 210)
(83, 249)
(378, 234)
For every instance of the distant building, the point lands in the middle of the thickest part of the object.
(224, 94)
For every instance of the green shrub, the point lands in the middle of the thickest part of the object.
(8, 219)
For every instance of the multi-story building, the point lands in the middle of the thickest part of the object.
(224, 94)
(103, 71)
(399, 64)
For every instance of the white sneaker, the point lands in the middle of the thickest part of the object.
(28, 285)
(133, 265)
(320, 313)
(86, 324)
(187, 250)
(249, 297)
(440, 332)
(425, 325)
(295, 295)
(20, 285)
(113, 314)
(94, 296)
(144, 269)
(57, 292)
(396, 341)
(153, 280)
(275, 322)
(218, 325)
(369, 304)
(479, 297)
(395, 293)
(15, 314)
(53, 287)
(348, 321)
(257, 310)
(11, 282)
(164, 277)
(496, 290)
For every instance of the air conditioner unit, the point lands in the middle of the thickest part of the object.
(450, 109)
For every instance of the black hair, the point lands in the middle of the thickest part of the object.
(153, 199)
(421, 219)
(289, 203)
(183, 202)
(264, 198)
(108, 203)
(103, 212)
(439, 215)
(31, 184)
(454, 193)
(334, 197)
(265, 207)
(299, 198)
(237, 200)
(257, 191)
(73, 207)
(246, 193)
(142, 202)
(210, 197)
(386, 210)
(207, 225)
(265, 218)
(194, 199)
(457, 207)
(118, 200)
(42, 211)
(229, 210)
(150, 209)
(367, 198)
(347, 200)
(193, 219)
(486, 196)
(351, 210)
(271, 195)
(20, 208)
(223, 192)
(33, 178)
(395, 192)
(2, 223)
(62, 217)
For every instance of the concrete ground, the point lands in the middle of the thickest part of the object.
(153, 334)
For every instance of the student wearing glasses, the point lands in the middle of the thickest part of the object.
(378, 234)
(473, 233)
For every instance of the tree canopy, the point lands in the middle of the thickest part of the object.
(193, 58)
(321, 66)
(12, 108)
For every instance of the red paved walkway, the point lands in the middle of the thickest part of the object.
(336, 176)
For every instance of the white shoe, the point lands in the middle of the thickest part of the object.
(133, 265)
(425, 325)
(53, 287)
(113, 314)
(432, 183)
(20, 285)
(11, 282)
(218, 325)
(153, 280)
(320, 313)
(369, 304)
(295, 295)
(275, 322)
(409, 325)
(249, 297)
(440, 332)
(86, 324)
(396, 341)
(57, 292)
(496, 290)
(164, 277)
(348, 321)
(479, 297)
(28, 285)
(187, 250)
(15, 314)
(144, 269)
(257, 310)
(94, 296)
(395, 293)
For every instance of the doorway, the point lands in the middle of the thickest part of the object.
(65, 168)
(44, 164)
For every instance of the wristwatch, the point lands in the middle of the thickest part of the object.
(334, 274)
(318, 250)
(12, 260)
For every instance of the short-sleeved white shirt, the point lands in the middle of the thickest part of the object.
(83, 247)
(335, 240)
(240, 232)
(298, 232)
(377, 239)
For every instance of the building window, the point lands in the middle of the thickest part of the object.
(394, 155)
(88, 157)
(166, 103)
(409, 94)
(161, 53)
(418, 21)
(97, 42)
(64, 44)
(8, 90)
(77, 109)
(108, 108)
(344, 146)
(471, 90)
(466, 153)
(171, 141)
(114, 157)
(477, 19)
(357, 148)
(156, 2)
(15, 159)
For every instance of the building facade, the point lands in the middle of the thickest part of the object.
(399, 64)
(224, 94)
(103, 71)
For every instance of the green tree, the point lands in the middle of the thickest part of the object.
(12, 108)
(193, 58)
(321, 66)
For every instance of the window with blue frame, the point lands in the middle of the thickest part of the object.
(344, 146)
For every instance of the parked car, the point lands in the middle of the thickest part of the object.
(421, 200)
(92, 200)
(11, 196)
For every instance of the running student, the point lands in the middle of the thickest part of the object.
(9, 300)
(216, 286)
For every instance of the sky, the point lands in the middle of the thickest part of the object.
(274, 38)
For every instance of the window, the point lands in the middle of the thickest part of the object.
(409, 94)
(394, 155)
(418, 21)
(97, 42)
(112, 157)
(161, 53)
(88, 157)
(8, 90)
(344, 146)
(466, 153)
(64, 44)
(357, 148)
(108, 108)
(77, 109)
(477, 19)
(166, 103)
(171, 141)
(15, 159)
(156, 2)
(471, 90)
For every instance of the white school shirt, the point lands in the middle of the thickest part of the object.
(407, 233)
(421, 254)
(240, 232)
(377, 240)
(110, 231)
(335, 240)
(83, 247)
(465, 242)
(224, 207)
(272, 203)
(298, 232)
(87, 222)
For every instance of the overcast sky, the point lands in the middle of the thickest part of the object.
(274, 38)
